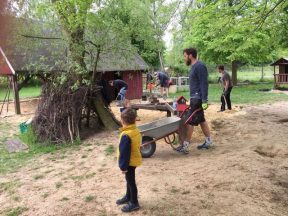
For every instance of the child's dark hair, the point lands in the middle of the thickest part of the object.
(128, 116)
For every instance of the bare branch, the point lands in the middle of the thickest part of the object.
(40, 37)
(265, 16)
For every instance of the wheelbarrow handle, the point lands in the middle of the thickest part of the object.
(190, 117)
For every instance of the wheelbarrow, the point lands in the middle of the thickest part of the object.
(153, 131)
(166, 128)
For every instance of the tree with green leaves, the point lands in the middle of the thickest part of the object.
(88, 29)
(148, 20)
(161, 14)
(231, 31)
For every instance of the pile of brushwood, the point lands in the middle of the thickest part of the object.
(59, 113)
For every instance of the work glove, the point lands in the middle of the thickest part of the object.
(204, 106)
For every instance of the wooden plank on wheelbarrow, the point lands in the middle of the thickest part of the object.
(15, 145)
(143, 106)
(160, 107)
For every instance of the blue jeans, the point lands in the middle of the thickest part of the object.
(122, 93)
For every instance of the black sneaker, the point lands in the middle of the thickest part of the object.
(122, 201)
(184, 148)
(130, 207)
(178, 148)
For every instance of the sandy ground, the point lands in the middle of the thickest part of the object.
(245, 173)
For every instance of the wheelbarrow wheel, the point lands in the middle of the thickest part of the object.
(147, 150)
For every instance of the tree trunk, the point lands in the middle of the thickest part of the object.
(16, 95)
(60, 110)
(262, 73)
(105, 115)
(77, 54)
(161, 61)
(234, 72)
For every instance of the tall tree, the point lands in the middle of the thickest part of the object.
(234, 31)
(88, 29)
(161, 14)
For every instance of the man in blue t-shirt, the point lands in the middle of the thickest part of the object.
(121, 87)
(163, 81)
(198, 85)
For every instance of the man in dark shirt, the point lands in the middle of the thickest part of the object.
(198, 84)
(163, 81)
(227, 88)
(121, 87)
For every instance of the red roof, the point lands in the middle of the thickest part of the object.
(5, 66)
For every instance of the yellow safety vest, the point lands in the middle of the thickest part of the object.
(136, 139)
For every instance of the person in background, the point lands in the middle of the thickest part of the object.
(121, 87)
(198, 85)
(129, 157)
(227, 88)
(149, 83)
(163, 81)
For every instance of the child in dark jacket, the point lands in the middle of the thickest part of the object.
(129, 157)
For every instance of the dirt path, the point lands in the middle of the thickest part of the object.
(245, 173)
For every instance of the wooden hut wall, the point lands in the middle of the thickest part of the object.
(281, 69)
(134, 81)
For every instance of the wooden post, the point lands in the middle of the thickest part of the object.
(262, 72)
(274, 78)
(16, 94)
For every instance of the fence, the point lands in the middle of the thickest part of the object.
(281, 79)
(180, 84)
(251, 73)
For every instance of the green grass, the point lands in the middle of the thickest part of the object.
(9, 187)
(16, 198)
(174, 190)
(243, 94)
(25, 92)
(77, 178)
(253, 74)
(45, 195)
(30, 91)
(89, 198)
(109, 150)
(13, 161)
(91, 175)
(59, 184)
(64, 199)
(36, 177)
(16, 211)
